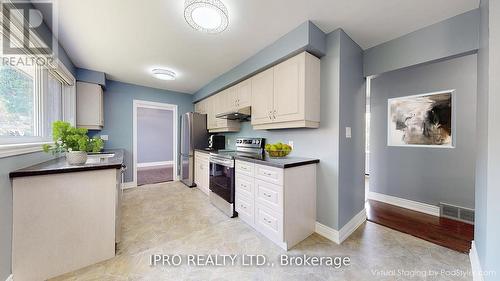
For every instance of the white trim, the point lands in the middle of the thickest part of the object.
(475, 264)
(154, 164)
(405, 203)
(346, 231)
(7, 150)
(154, 105)
(453, 118)
(10, 278)
(127, 185)
(327, 232)
(352, 225)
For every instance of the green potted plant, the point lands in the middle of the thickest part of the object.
(72, 141)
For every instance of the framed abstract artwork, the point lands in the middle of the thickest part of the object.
(425, 120)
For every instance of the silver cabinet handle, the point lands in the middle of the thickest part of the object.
(267, 195)
(274, 114)
(267, 174)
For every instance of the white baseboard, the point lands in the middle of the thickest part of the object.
(352, 225)
(339, 236)
(475, 264)
(130, 184)
(154, 164)
(10, 278)
(405, 203)
(327, 232)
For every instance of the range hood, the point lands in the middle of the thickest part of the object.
(242, 114)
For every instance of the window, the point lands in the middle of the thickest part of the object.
(31, 99)
(17, 101)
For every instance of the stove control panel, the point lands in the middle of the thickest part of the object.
(250, 142)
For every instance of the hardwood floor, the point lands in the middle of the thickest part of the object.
(448, 233)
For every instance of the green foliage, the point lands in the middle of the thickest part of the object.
(69, 138)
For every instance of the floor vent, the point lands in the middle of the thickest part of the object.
(457, 213)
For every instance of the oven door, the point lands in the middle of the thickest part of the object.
(222, 181)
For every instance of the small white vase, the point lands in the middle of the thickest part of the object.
(76, 157)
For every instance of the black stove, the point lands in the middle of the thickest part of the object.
(222, 171)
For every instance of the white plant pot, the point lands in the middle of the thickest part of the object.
(76, 157)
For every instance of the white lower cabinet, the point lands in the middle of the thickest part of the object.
(279, 203)
(202, 171)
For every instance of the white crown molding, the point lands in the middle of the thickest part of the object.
(339, 236)
(405, 203)
(475, 264)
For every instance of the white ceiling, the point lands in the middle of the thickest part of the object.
(127, 38)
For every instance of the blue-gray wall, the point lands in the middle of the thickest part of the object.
(451, 37)
(341, 170)
(306, 37)
(155, 136)
(428, 175)
(487, 227)
(118, 109)
(91, 76)
(13, 163)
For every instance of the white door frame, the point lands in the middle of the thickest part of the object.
(162, 106)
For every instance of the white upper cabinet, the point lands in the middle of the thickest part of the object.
(90, 106)
(295, 98)
(244, 94)
(262, 97)
(201, 107)
(284, 96)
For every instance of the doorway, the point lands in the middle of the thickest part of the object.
(155, 142)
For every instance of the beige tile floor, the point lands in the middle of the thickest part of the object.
(172, 219)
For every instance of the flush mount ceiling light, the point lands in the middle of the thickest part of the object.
(163, 74)
(209, 16)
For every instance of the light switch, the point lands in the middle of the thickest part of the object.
(348, 133)
(290, 143)
(104, 137)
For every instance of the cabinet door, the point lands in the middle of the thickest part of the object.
(289, 90)
(210, 103)
(206, 175)
(231, 99)
(244, 94)
(89, 102)
(262, 97)
(200, 107)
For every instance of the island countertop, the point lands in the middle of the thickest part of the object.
(60, 165)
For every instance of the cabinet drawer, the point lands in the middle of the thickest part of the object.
(269, 223)
(244, 185)
(245, 208)
(269, 174)
(269, 195)
(245, 168)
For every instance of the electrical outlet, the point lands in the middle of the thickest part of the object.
(348, 132)
(104, 137)
(228, 141)
(290, 143)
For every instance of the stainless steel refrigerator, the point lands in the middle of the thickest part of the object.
(194, 134)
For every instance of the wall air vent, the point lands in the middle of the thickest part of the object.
(456, 213)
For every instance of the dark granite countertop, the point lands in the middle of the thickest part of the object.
(59, 165)
(205, 150)
(287, 162)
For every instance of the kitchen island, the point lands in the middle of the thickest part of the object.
(65, 217)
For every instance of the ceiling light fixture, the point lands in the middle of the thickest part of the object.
(163, 74)
(209, 16)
